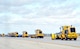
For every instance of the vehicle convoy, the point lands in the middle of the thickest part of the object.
(67, 32)
(25, 34)
(38, 34)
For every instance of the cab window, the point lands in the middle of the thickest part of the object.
(25, 32)
(72, 29)
(66, 31)
(40, 32)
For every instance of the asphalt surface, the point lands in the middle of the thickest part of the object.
(37, 43)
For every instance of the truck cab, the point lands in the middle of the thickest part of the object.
(69, 32)
(25, 34)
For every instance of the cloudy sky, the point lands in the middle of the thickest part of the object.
(47, 15)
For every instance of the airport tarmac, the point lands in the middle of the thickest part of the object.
(36, 43)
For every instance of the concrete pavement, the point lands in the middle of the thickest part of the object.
(28, 43)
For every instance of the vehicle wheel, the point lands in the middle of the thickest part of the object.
(62, 39)
(66, 38)
(42, 37)
(70, 39)
(75, 38)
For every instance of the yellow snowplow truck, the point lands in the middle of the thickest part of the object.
(68, 32)
(3, 35)
(16, 34)
(38, 34)
(13, 34)
(25, 34)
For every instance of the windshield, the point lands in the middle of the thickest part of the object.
(40, 32)
(72, 29)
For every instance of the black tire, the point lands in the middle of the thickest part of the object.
(66, 38)
(41, 36)
(75, 38)
(62, 39)
(70, 39)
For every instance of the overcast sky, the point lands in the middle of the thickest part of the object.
(47, 15)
